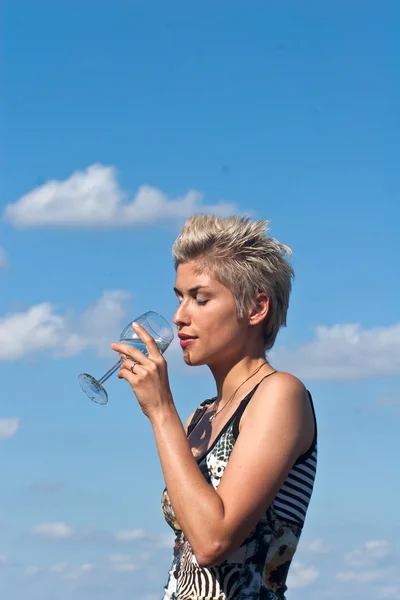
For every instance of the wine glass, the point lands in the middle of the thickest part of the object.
(155, 325)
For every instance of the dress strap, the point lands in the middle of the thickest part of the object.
(199, 412)
(241, 408)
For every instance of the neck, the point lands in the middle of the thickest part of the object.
(229, 377)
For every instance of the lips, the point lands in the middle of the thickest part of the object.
(186, 340)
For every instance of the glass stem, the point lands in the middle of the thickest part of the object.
(110, 372)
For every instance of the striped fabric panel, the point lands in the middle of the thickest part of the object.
(292, 500)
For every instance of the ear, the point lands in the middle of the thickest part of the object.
(260, 310)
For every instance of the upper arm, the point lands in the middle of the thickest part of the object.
(276, 428)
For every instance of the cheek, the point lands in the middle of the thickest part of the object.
(223, 328)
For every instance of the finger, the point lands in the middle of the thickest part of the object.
(148, 340)
(130, 352)
(132, 366)
(126, 374)
(128, 364)
(130, 370)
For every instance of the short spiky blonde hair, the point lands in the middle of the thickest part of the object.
(237, 251)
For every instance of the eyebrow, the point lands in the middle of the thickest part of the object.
(192, 290)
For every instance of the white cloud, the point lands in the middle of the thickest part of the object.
(78, 572)
(40, 328)
(59, 568)
(63, 570)
(26, 332)
(52, 531)
(390, 591)
(344, 352)
(130, 535)
(3, 260)
(119, 558)
(365, 576)
(315, 547)
(378, 549)
(3, 559)
(126, 567)
(92, 198)
(301, 575)
(165, 540)
(368, 554)
(8, 427)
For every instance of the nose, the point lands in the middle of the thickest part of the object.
(181, 316)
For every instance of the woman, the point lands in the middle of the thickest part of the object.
(240, 475)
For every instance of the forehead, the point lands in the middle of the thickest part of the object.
(188, 276)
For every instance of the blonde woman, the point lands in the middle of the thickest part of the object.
(239, 476)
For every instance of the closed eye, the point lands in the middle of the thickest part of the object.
(201, 302)
(193, 292)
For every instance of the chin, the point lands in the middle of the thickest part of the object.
(192, 361)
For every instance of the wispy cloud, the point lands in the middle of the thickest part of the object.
(163, 540)
(315, 547)
(68, 573)
(105, 575)
(78, 572)
(123, 563)
(59, 568)
(53, 531)
(131, 535)
(129, 538)
(301, 575)
(368, 554)
(8, 427)
(390, 591)
(368, 563)
(93, 198)
(32, 570)
(362, 576)
(119, 558)
(41, 328)
(344, 352)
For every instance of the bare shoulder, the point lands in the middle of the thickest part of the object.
(282, 387)
(282, 398)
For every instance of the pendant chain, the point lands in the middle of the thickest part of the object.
(234, 393)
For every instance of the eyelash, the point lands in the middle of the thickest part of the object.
(199, 302)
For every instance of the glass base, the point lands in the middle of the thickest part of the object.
(93, 388)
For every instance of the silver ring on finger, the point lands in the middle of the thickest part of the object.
(134, 363)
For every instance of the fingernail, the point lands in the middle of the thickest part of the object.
(113, 345)
(135, 325)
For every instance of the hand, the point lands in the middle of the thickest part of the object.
(149, 376)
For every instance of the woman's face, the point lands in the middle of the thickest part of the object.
(207, 313)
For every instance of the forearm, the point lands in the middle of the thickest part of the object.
(197, 506)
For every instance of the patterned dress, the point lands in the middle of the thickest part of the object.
(258, 569)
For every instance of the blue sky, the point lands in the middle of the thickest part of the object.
(119, 120)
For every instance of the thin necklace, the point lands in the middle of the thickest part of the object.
(234, 393)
